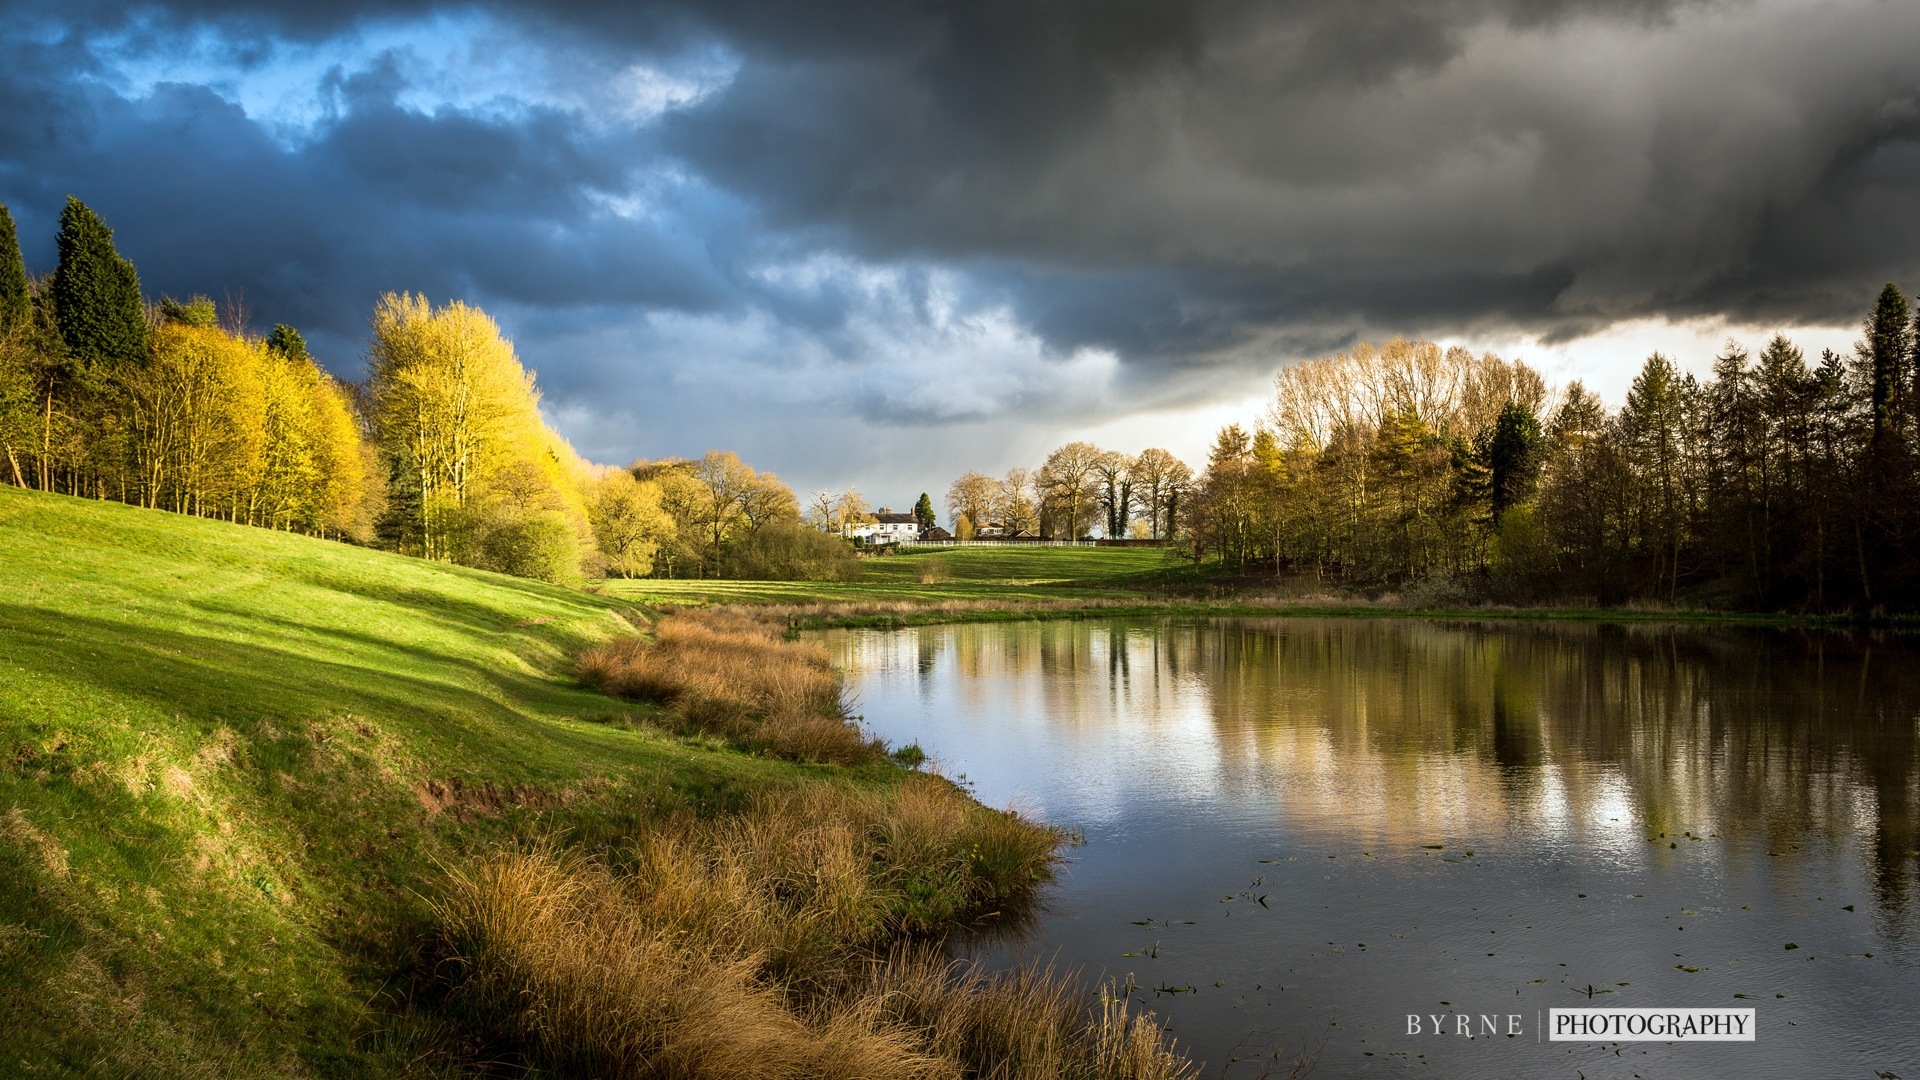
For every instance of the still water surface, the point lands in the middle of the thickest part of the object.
(1322, 826)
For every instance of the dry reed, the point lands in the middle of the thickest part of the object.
(1026, 1024)
(748, 946)
(737, 677)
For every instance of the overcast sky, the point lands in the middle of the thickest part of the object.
(885, 242)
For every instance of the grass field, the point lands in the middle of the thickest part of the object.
(921, 585)
(1007, 575)
(232, 763)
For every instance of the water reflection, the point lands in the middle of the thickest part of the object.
(1768, 776)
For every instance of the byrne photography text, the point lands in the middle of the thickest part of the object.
(1586, 1025)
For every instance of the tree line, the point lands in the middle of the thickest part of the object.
(1777, 483)
(1080, 490)
(441, 452)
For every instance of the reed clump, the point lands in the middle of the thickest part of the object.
(737, 677)
(778, 943)
(1020, 1024)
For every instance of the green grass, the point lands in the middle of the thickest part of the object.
(996, 583)
(1013, 575)
(232, 763)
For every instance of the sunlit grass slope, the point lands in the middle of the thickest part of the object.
(1013, 575)
(232, 762)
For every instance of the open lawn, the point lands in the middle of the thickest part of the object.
(934, 584)
(232, 763)
(1010, 575)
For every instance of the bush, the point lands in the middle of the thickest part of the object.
(538, 546)
(1437, 592)
(791, 552)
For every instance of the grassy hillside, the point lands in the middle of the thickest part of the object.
(231, 762)
(1010, 575)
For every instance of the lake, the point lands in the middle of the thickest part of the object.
(1300, 832)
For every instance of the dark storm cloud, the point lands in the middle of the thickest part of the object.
(1196, 175)
(380, 198)
(899, 201)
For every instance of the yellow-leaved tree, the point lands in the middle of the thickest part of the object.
(477, 476)
(197, 419)
(314, 474)
(628, 522)
(349, 490)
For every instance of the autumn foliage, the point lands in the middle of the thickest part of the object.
(443, 452)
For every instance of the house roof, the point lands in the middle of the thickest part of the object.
(896, 519)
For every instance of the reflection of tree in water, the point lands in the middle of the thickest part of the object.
(1404, 728)
(1765, 737)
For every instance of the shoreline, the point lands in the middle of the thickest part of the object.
(900, 614)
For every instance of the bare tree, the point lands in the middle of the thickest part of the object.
(1066, 483)
(1158, 477)
(849, 508)
(1015, 504)
(971, 497)
(820, 511)
(236, 315)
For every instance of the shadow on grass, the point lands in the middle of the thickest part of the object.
(487, 717)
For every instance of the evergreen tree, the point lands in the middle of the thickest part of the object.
(923, 512)
(1513, 458)
(1887, 348)
(286, 342)
(15, 305)
(96, 293)
(1654, 430)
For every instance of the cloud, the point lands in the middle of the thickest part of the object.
(1415, 167)
(759, 219)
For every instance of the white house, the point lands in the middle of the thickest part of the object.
(885, 527)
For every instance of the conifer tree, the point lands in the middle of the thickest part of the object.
(15, 306)
(923, 512)
(96, 293)
(286, 342)
(1513, 458)
(1887, 347)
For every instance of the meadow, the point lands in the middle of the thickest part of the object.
(918, 585)
(1008, 576)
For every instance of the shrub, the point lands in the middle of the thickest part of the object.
(789, 551)
(538, 546)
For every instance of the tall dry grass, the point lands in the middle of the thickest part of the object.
(1026, 1024)
(757, 946)
(737, 677)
